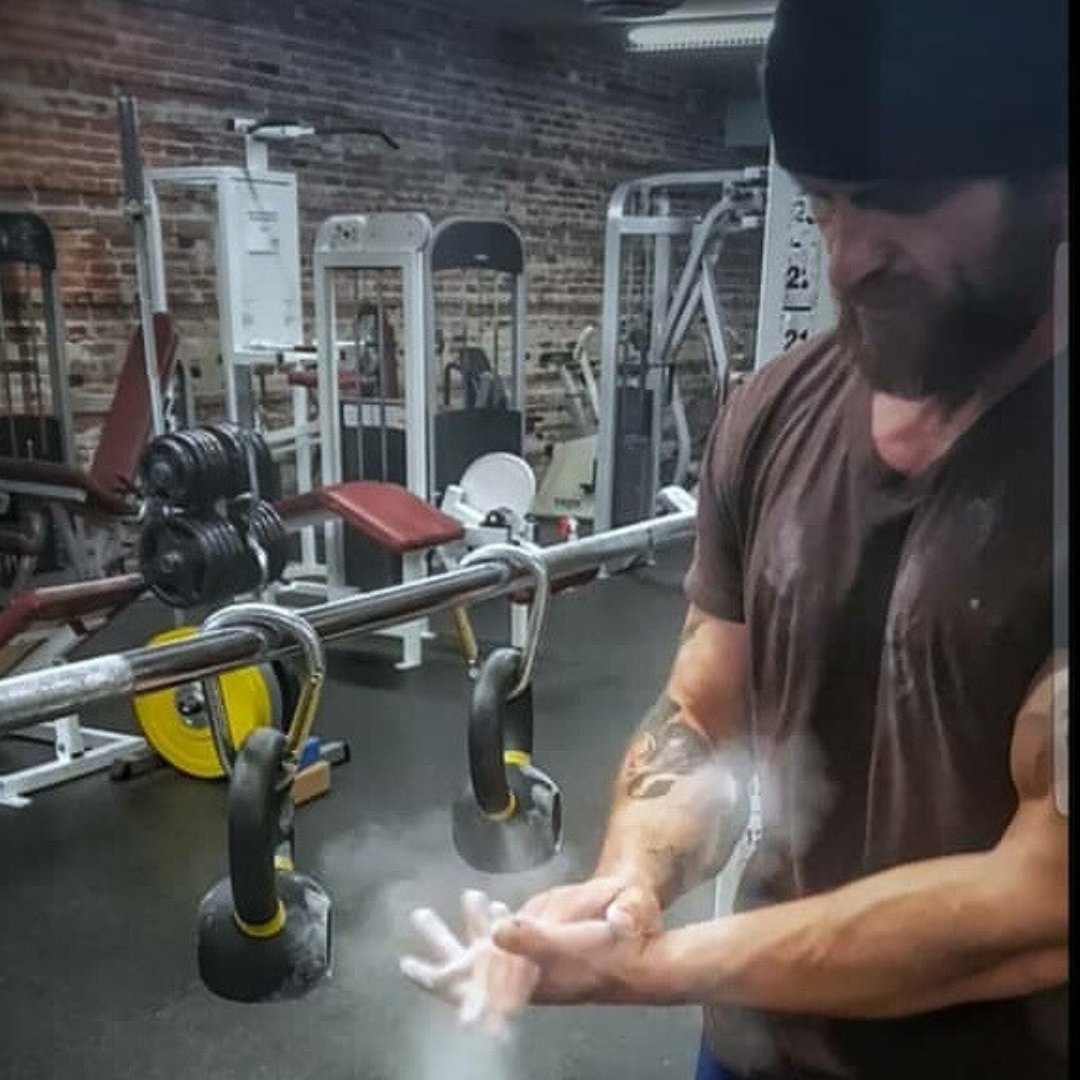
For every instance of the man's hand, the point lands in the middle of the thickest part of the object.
(488, 984)
(459, 969)
(590, 960)
(602, 909)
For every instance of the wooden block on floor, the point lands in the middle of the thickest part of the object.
(311, 782)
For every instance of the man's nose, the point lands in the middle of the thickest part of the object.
(855, 246)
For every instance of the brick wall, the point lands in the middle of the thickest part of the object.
(489, 122)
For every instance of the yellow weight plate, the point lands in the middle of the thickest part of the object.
(186, 743)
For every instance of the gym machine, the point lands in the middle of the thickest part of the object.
(392, 408)
(37, 422)
(487, 412)
(569, 482)
(257, 253)
(257, 256)
(62, 528)
(264, 931)
(371, 311)
(664, 236)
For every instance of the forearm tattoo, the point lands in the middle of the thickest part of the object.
(668, 747)
(664, 753)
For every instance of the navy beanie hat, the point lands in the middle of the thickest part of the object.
(861, 90)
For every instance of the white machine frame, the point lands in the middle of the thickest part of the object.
(395, 241)
(257, 253)
(645, 208)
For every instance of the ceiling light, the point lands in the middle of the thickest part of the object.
(676, 34)
(630, 9)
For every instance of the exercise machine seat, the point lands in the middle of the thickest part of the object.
(67, 603)
(389, 514)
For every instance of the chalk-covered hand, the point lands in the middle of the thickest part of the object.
(575, 942)
(601, 920)
(602, 909)
(457, 969)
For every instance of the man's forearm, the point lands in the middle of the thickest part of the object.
(913, 938)
(679, 806)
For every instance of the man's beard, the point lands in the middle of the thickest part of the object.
(913, 343)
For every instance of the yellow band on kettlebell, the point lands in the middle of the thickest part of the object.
(517, 757)
(274, 925)
(283, 864)
(506, 813)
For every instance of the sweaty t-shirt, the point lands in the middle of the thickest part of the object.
(895, 624)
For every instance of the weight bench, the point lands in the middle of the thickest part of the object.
(88, 507)
(38, 628)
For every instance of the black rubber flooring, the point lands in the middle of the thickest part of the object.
(100, 880)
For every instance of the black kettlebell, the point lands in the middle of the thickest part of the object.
(510, 817)
(264, 931)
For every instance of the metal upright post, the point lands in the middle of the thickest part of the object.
(135, 207)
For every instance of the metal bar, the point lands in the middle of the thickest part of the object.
(59, 374)
(135, 208)
(43, 695)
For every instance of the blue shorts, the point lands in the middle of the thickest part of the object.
(708, 1068)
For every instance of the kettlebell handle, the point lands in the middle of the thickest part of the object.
(287, 623)
(500, 730)
(260, 825)
(526, 557)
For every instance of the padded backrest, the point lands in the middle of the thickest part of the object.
(127, 424)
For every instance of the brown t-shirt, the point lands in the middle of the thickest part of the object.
(894, 625)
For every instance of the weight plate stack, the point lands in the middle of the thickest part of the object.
(186, 469)
(188, 561)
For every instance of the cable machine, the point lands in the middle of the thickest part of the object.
(420, 371)
(257, 254)
(485, 258)
(665, 234)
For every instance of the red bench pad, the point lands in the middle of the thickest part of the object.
(389, 514)
(56, 603)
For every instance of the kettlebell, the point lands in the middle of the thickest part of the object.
(509, 819)
(264, 931)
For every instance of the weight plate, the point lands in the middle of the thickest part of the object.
(186, 743)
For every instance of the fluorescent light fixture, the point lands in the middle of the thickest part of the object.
(673, 35)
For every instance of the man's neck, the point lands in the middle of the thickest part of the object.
(910, 435)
